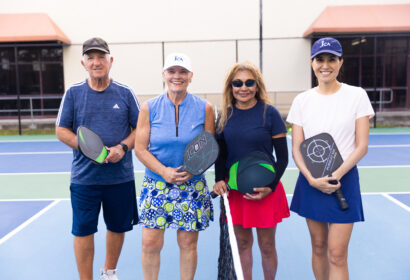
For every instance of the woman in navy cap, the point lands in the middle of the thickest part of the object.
(343, 111)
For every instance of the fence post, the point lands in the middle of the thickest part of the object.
(381, 103)
(32, 125)
(17, 89)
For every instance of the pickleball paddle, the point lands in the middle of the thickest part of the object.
(200, 153)
(252, 171)
(91, 145)
(322, 158)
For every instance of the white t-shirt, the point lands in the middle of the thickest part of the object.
(335, 114)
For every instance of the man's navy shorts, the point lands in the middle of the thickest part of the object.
(119, 205)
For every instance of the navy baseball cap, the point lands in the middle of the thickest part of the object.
(326, 45)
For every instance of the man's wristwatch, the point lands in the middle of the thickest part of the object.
(124, 147)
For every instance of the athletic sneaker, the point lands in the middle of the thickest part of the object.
(109, 274)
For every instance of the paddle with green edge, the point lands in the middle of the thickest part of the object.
(255, 170)
(91, 145)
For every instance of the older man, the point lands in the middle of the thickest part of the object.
(111, 110)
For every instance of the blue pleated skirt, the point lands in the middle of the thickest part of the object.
(313, 204)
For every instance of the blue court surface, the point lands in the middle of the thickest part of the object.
(36, 243)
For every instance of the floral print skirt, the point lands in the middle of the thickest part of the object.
(185, 207)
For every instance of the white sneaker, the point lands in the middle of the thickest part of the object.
(109, 274)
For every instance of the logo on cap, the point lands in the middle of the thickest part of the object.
(325, 44)
(178, 59)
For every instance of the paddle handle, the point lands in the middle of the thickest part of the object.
(340, 197)
(342, 200)
(213, 194)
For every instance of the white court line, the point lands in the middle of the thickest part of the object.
(143, 171)
(383, 193)
(37, 140)
(53, 173)
(67, 199)
(36, 173)
(70, 152)
(390, 146)
(384, 166)
(34, 153)
(33, 199)
(401, 204)
(389, 133)
(369, 193)
(367, 166)
(289, 136)
(29, 221)
(380, 146)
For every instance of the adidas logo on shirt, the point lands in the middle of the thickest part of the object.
(116, 106)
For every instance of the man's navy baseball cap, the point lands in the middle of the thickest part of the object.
(326, 45)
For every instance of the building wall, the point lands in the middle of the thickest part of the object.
(205, 30)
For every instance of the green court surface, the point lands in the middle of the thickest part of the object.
(27, 137)
(51, 137)
(40, 186)
(390, 130)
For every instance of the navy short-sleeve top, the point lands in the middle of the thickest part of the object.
(251, 130)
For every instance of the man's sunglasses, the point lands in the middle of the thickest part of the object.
(239, 83)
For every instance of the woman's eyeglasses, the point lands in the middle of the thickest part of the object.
(239, 83)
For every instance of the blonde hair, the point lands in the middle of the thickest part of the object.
(228, 100)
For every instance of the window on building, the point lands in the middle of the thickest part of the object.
(35, 74)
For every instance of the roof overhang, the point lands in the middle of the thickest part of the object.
(30, 28)
(362, 19)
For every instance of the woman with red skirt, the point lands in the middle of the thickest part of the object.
(248, 123)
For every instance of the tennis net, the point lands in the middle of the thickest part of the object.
(229, 267)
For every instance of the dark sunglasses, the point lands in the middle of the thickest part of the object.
(239, 83)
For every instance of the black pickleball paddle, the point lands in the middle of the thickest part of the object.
(200, 153)
(252, 171)
(322, 157)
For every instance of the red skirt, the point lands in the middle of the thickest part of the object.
(265, 213)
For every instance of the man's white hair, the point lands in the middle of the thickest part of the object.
(107, 56)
